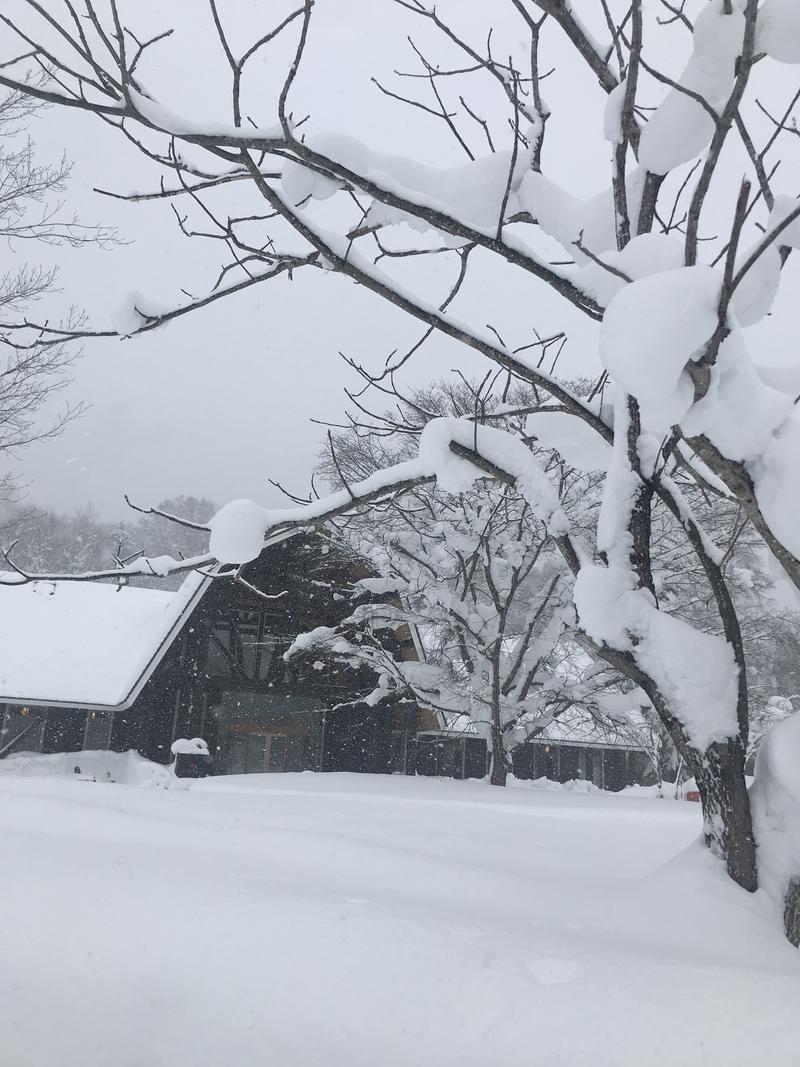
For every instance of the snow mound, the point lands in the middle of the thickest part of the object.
(125, 768)
(775, 800)
(185, 746)
(572, 785)
(135, 920)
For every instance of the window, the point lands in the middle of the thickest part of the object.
(98, 731)
(265, 731)
(399, 755)
(241, 646)
(22, 729)
(64, 730)
(219, 661)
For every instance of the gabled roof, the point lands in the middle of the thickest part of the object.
(87, 644)
(92, 645)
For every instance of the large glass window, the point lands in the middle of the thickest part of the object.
(98, 731)
(242, 646)
(220, 660)
(63, 730)
(23, 729)
(262, 732)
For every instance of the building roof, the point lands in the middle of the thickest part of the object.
(571, 728)
(581, 729)
(84, 643)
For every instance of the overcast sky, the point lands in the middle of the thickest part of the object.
(222, 400)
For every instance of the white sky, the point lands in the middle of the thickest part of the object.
(220, 401)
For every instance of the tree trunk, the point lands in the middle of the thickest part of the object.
(498, 772)
(719, 772)
(791, 914)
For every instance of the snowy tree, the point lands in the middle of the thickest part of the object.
(51, 542)
(681, 387)
(476, 576)
(46, 541)
(31, 370)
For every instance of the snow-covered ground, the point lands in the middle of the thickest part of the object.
(343, 920)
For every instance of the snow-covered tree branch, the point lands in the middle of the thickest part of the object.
(675, 268)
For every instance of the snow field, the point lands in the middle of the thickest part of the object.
(348, 919)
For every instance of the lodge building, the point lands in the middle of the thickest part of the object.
(95, 666)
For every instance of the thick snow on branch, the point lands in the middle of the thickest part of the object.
(238, 531)
(781, 209)
(775, 799)
(162, 118)
(578, 444)
(778, 30)
(501, 449)
(135, 311)
(612, 115)
(645, 254)
(776, 476)
(240, 528)
(651, 329)
(695, 672)
(739, 414)
(658, 323)
(568, 219)
(681, 127)
(755, 294)
(471, 193)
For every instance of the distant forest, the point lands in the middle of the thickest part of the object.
(48, 542)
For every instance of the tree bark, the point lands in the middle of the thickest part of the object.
(728, 829)
(791, 914)
(498, 771)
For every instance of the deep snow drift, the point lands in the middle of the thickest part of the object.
(334, 920)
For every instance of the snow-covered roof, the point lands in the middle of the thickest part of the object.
(571, 728)
(85, 643)
(581, 729)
